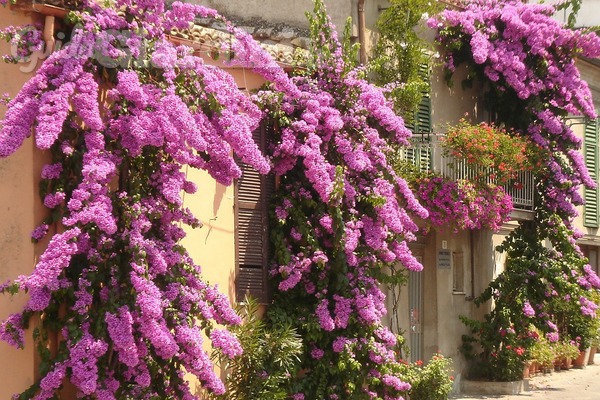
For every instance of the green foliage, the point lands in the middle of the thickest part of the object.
(573, 6)
(545, 279)
(270, 357)
(432, 381)
(411, 171)
(542, 352)
(495, 350)
(322, 48)
(399, 53)
(566, 350)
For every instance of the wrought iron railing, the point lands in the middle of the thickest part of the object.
(427, 154)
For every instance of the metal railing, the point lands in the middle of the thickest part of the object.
(426, 153)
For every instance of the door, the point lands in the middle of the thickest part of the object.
(415, 313)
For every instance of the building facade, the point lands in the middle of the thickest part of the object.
(458, 266)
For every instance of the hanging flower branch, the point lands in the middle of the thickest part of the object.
(464, 204)
(526, 61)
(24, 41)
(122, 111)
(340, 219)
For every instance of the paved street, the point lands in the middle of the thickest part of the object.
(574, 384)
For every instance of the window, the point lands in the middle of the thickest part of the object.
(458, 272)
(252, 194)
(420, 153)
(590, 151)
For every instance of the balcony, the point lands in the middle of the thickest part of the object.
(426, 152)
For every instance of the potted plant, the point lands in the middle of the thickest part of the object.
(490, 152)
(566, 351)
(543, 355)
(594, 329)
(595, 344)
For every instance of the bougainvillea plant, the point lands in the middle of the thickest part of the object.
(463, 204)
(526, 62)
(527, 59)
(24, 41)
(340, 219)
(122, 111)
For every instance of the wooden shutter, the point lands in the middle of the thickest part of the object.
(422, 117)
(590, 148)
(252, 194)
(420, 125)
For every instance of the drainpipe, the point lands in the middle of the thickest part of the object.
(49, 34)
(472, 244)
(361, 32)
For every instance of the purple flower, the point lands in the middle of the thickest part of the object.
(227, 342)
(528, 311)
(317, 353)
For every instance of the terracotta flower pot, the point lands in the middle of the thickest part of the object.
(567, 363)
(526, 371)
(533, 368)
(581, 361)
(558, 364)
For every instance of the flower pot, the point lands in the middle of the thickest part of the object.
(558, 364)
(592, 354)
(581, 361)
(526, 371)
(567, 363)
(533, 368)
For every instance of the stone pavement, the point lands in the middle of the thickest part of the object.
(573, 384)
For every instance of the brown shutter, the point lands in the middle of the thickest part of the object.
(591, 219)
(252, 194)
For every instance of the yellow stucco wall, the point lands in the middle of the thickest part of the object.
(20, 211)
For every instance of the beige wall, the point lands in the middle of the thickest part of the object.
(293, 13)
(451, 103)
(20, 211)
(290, 12)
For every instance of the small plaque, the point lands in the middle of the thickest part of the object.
(444, 259)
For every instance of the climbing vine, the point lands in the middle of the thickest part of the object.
(340, 221)
(401, 51)
(122, 111)
(526, 62)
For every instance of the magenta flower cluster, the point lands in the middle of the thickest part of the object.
(135, 311)
(23, 40)
(464, 204)
(528, 58)
(341, 216)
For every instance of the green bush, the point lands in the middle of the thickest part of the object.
(269, 359)
(433, 380)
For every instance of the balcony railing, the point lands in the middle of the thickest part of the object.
(426, 152)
